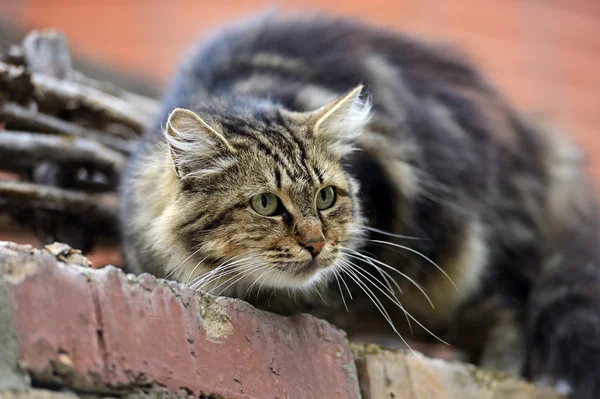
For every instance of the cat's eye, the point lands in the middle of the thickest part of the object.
(266, 204)
(325, 198)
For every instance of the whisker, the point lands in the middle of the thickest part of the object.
(224, 269)
(377, 304)
(247, 270)
(261, 284)
(337, 279)
(398, 251)
(178, 266)
(387, 276)
(397, 303)
(320, 296)
(419, 254)
(267, 269)
(213, 276)
(193, 270)
(359, 256)
(280, 277)
(384, 274)
(216, 271)
(373, 229)
(202, 279)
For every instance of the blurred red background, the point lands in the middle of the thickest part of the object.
(544, 54)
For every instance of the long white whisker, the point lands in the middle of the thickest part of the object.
(246, 271)
(226, 268)
(359, 256)
(337, 279)
(419, 254)
(217, 271)
(178, 266)
(227, 264)
(261, 284)
(320, 296)
(373, 229)
(377, 304)
(397, 303)
(396, 300)
(193, 270)
(384, 274)
(387, 277)
(267, 269)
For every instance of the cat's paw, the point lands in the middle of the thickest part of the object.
(561, 386)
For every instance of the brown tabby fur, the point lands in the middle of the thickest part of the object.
(479, 222)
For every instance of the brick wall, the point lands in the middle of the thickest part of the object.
(101, 333)
(544, 54)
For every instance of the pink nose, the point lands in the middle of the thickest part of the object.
(314, 246)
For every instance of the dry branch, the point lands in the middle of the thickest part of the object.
(67, 137)
(70, 202)
(146, 107)
(52, 91)
(25, 149)
(16, 83)
(47, 52)
(23, 118)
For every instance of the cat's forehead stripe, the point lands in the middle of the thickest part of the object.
(279, 142)
(268, 149)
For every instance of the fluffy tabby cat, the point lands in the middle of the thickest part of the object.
(313, 164)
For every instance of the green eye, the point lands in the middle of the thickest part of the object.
(265, 204)
(325, 198)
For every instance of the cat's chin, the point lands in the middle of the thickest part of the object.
(302, 275)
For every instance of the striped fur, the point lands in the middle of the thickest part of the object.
(431, 168)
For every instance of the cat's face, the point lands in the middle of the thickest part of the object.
(264, 197)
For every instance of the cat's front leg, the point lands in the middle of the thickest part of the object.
(565, 341)
(564, 315)
(505, 348)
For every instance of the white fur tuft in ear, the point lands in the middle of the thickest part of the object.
(190, 138)
(184, 127)
(344, 119)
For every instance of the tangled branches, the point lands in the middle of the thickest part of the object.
(64, 139)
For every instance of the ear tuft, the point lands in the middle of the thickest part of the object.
(185, 124)
(344, 119)
(190, 138)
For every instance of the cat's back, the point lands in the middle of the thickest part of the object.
(279, 56)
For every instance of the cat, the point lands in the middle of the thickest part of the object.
(313, 163)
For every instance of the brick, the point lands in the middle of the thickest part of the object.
(101, 333)
(32, 393)
(11, 376)
(385, 374)
(106, 332)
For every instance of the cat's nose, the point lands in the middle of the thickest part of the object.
(314, 246)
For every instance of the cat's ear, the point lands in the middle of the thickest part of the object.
(190, 137)
(343, 119)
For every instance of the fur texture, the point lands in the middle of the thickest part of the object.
(454, 215)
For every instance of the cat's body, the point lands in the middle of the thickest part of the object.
(500, 204)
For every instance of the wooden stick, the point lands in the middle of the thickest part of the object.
(149, 107)
(129, 109)
(19, 117)
(15, 83)
(35, 196)
(24, 149)
(47, 52)
(48, 89)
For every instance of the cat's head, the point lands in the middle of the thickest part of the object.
(263, 196)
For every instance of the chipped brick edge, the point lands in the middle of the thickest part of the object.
(96, 306)
(11, 375)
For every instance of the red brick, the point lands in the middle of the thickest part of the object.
(104, 331)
